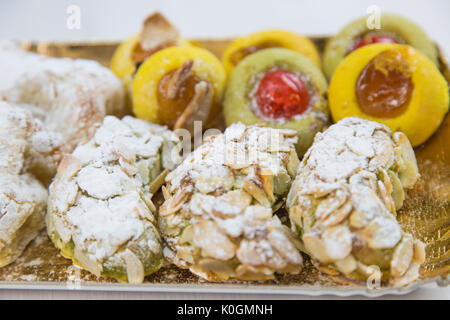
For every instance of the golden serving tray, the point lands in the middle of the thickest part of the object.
(425, 214)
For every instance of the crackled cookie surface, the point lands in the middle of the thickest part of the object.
(100, 212)
(69, 96)
(343, 202)
(25, 147)
(217, 218)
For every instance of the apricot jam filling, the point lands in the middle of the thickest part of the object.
(384, 87)
(281, 95)
(239, 55)
(175, 91)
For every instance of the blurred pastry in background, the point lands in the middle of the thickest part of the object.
(393, 84)
(344, 200)
(25, 146)
(69, 96)
(49, 106)
(393, 29)
(179, 85)
(282, 89)
(244, 46)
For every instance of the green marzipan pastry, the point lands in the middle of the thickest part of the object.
(237, 103)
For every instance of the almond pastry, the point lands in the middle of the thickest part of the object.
(217, 218)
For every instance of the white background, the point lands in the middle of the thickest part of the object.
(118, 19)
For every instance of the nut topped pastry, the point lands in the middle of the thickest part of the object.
(100, 212)
(344, 199)
(217, 218)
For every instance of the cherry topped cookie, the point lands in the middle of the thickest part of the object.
(279, 88)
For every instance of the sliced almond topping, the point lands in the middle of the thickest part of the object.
(334, 200)
(86, 262)
(250, 273)
(334, 244)
(165, 192)
(157, 31)
(386, 197)
(135, 268)
(187, 235)
(402, 256)
(231, 203)
(284, 247)
(256, 192)
(338, 215)
(398, 194)
(68, 167)
(174, 204)
(250, 252)
(266, 177)
(382, 233)
(292, 163)
(143, 212)
(347, 265)
(217, 267)
(158, 182)
(419, 252)
(198, 108)
(212, 241)
(384, 156)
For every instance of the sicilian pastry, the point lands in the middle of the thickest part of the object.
(69, 97)
(393, 29)
(242, 47)
(282, 89)
(25, 146)
(393, 84)
(49, 106)
(100, 212)
(157, 33)
(179, 85)
(217, 218)
(343, 202)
